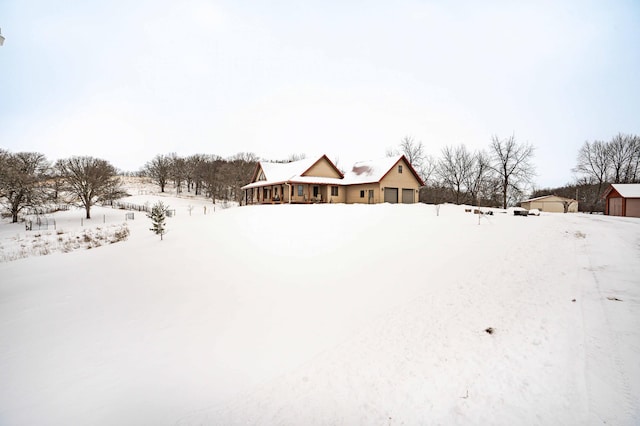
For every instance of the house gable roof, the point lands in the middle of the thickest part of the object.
(294, 172)
(373, 171)
(329, 162)
(626, 190)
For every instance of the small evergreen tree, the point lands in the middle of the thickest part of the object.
(158, 216)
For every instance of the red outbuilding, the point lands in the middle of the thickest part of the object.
(622, 199)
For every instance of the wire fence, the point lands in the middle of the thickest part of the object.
(127, 206)
(41, 223)
(46, 209)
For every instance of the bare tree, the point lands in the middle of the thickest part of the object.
(295, 157)
(190, 166)
(199, 162)
(21, 180)
(512, 164)
(477, 178)
(242, 166)
(159, 170)
(427, 169)
(89, 180)
(177, 170)
(594, 163)
(4, 170)
(423, 164)
(624, 156)
(454, 169)
(414, 151)
(212, 176)
(566, 204)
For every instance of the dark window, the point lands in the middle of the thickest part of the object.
(334, 191)
(362, 194)
(300, 190)
(399, 169)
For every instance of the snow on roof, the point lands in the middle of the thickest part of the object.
(362, 172)
(279, 172)
(627, 190)
(547, 196)
(370, 171)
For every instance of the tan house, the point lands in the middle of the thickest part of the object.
(551, 203)
(318, 180)
(622, 199)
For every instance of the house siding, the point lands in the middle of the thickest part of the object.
(323, 169)
(404, 180)
(353, 193)
(283, 190)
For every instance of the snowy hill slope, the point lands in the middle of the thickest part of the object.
(329, 314)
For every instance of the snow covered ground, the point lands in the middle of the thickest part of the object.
(325, 314)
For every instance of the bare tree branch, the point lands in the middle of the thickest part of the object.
(89, 180)
(512, 164)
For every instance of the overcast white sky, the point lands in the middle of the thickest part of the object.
(126, 80)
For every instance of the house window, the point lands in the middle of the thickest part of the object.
(399, 169)
(334, 191)
(362, 194)
(300, 190)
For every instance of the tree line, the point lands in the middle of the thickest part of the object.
(598, 164)
(497, 176)
(502, 175)
(29, 180)
(208, 175)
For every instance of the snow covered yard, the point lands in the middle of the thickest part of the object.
(329, 314)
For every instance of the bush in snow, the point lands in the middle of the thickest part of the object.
(45, 243)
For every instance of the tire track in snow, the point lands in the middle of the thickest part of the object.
(608, 388)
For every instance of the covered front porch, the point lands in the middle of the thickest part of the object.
(291, 192)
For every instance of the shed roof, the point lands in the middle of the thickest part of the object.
(548, 196)
(627, 190)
